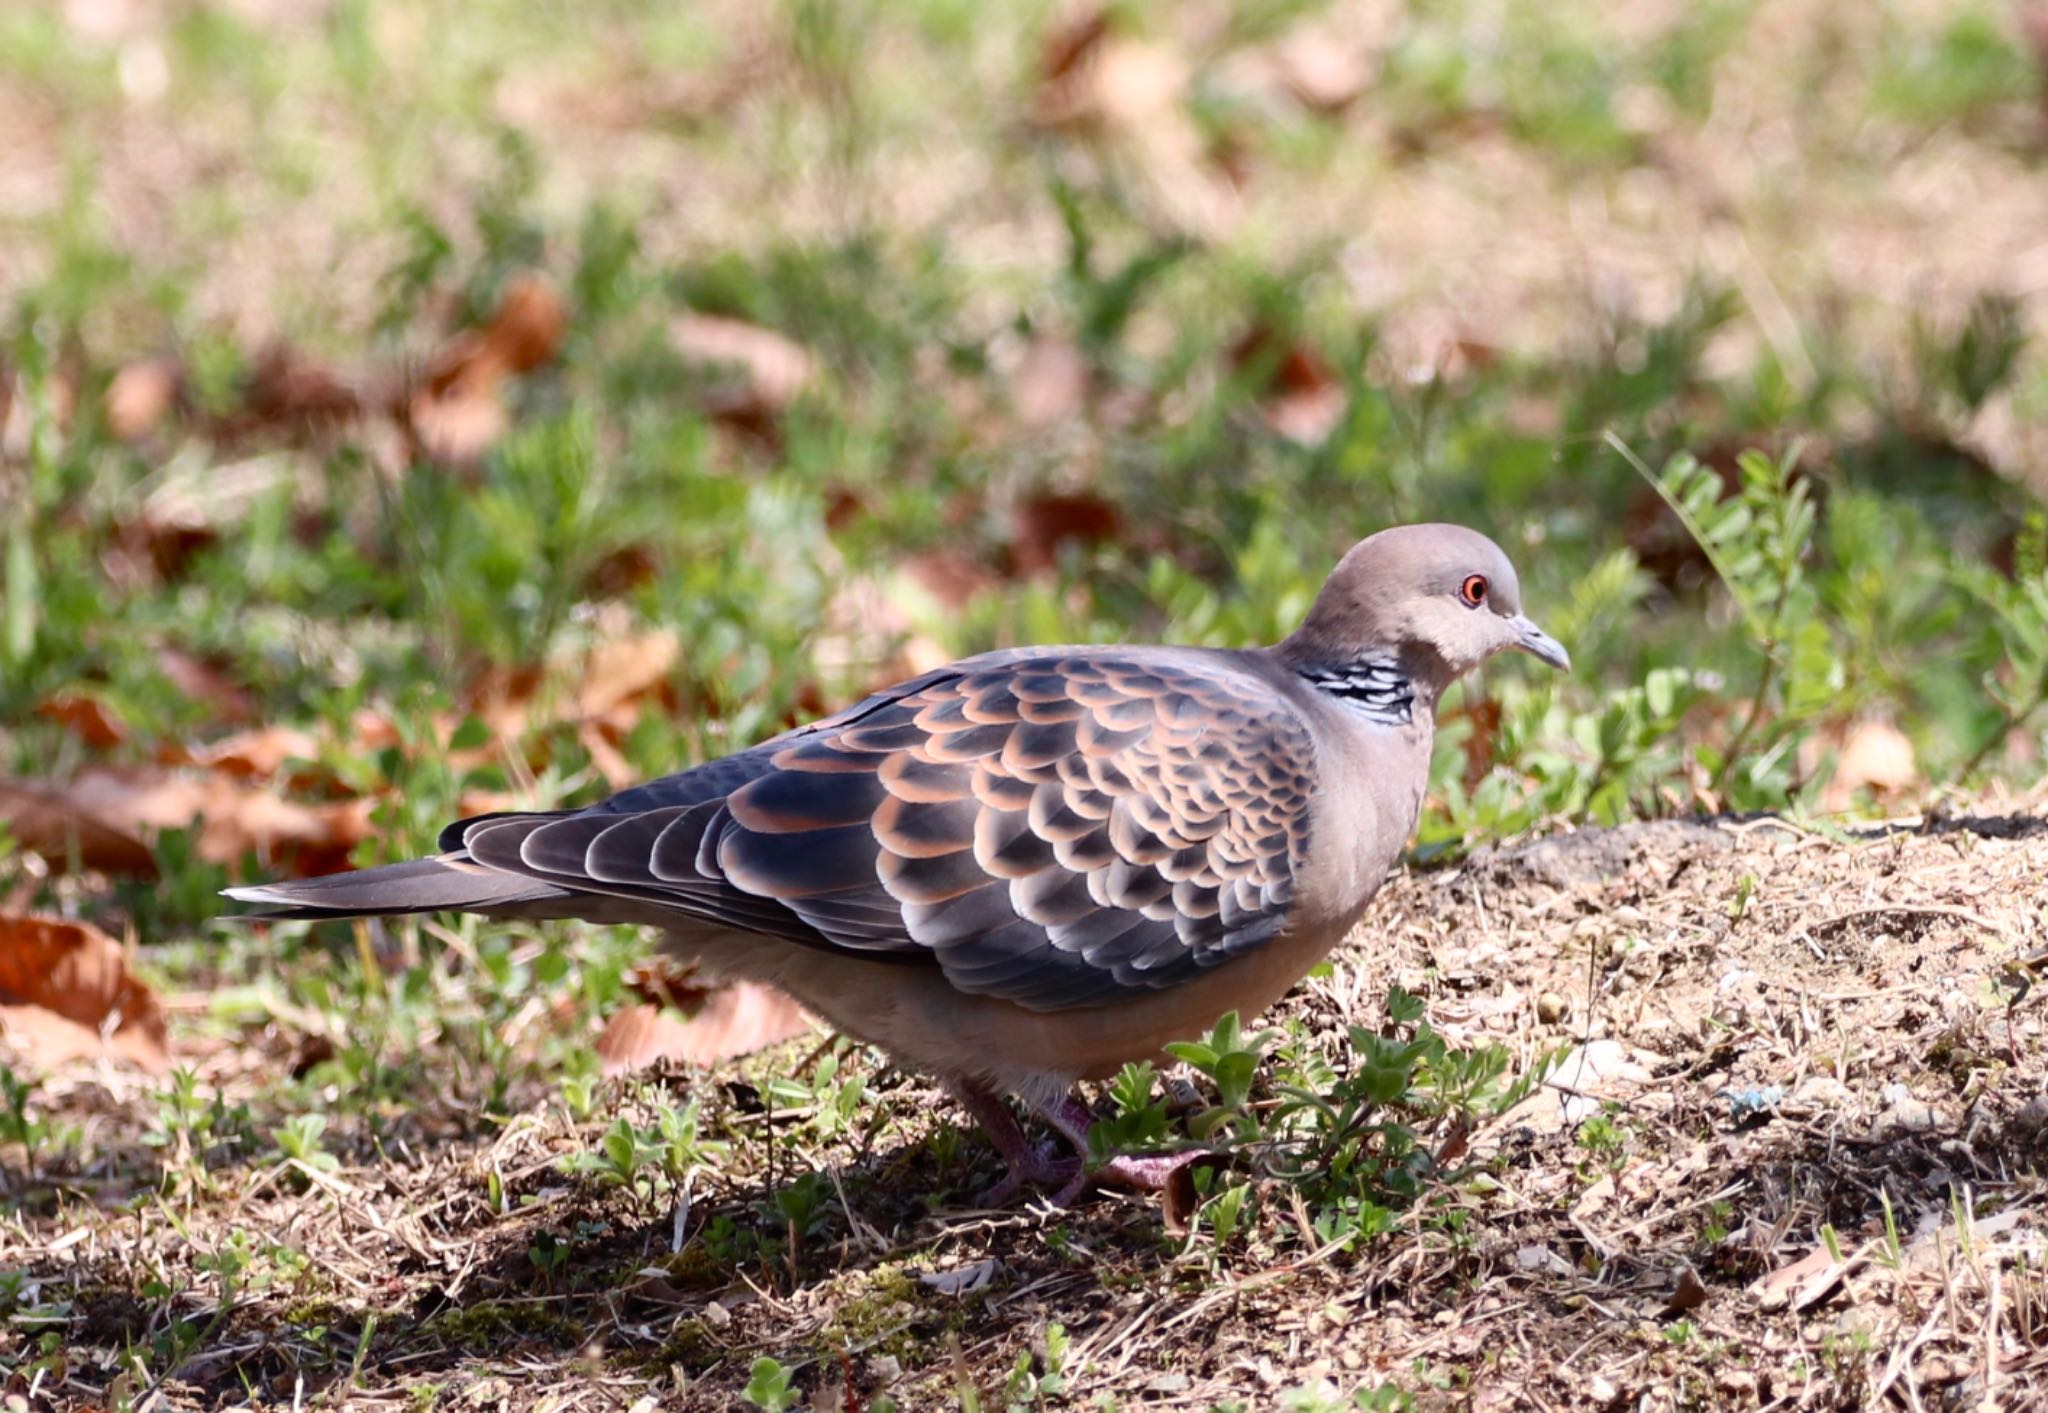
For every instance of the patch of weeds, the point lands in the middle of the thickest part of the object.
(648, 1162)
(489, 1322)
(769, 1388)
(1357, 1142)
(1604, 1141)
(1039, 1375)
(299, 1141)
(193, 1131)
(45, 1144)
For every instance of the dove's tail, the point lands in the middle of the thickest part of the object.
(444, 883)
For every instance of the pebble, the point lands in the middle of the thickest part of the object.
(1552, 1008)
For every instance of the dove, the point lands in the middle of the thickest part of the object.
(1026, 869)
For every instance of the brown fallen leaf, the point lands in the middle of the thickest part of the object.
(66, 993)
(290, 388)
(141, 396)
(1324, 69)
(191, 502)
(1129, 96)
(45, 822)
(1301, 398)
(458, 413)
(1875, 756)
(113, 810)
(1689, 1293)
(86, 716)
(1050, 384)
(624, 670)
(1804, 1282)
(952, 577)
(256, 754)
(736, 1020)
(662, 981)
(763, 370)
(1041, 524)
(206, 680)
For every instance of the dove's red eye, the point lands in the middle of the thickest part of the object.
(1473, 590)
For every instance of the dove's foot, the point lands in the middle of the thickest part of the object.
(1026, 1164)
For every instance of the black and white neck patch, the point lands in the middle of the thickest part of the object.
(1375, 687)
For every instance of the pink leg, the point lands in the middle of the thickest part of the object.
(1144, 1174)
(1026, 1163)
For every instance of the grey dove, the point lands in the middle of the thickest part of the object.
(1030, 867)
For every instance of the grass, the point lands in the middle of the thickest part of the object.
(1718, 317)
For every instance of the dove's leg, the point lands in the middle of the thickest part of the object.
(1146, 1174)
(1028, 1164)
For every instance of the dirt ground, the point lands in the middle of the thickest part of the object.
(1781, 1034)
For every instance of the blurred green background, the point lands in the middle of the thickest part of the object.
(368, 366)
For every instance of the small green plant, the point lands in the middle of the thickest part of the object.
(1355, 1142)
(2017, 610)
(1137, 1122)
(1745, 889)
(548, 1253)
(1229, 1058)
(1227, 1213)
(647, 1161)
(768, 1387)
(1323, 1397)
(18, 1125)
(1035, 1378)
(1604, 1140)
(298, 1140)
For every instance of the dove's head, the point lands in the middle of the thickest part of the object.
(1438, 599)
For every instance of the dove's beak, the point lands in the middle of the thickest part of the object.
(1539, 644)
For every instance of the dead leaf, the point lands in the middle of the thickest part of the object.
(45, 822)
(1543, 1259)
(663, 982)
(191, 500)
(460, 427)
(1689, 1294)
(736, 1020)
(1128, 95)
(1803, 1283)
(1323, 69)
(1875, 756)
(204, 680)
(141, 396)
(257, 754)
(1041, 524)
(1051, 382)
(1300, 397)
(292, 388)
(233, 818)
(870, 635)
(764, 370)
(622, 671)
(951, 577)
(66, 992)
(458, 414)
(86, 716)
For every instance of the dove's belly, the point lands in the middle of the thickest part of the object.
(917, 1016)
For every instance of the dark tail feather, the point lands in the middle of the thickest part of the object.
(416, 886)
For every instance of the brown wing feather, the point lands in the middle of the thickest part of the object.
(1058, 830)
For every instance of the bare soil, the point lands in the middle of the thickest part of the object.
(1779, 1034)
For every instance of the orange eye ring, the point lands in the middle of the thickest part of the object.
(1472, 593)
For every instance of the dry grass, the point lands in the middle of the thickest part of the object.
(1652, 1230)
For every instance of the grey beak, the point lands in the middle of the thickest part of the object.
(1539, 644)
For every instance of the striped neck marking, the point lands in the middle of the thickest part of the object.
(1374, 687)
